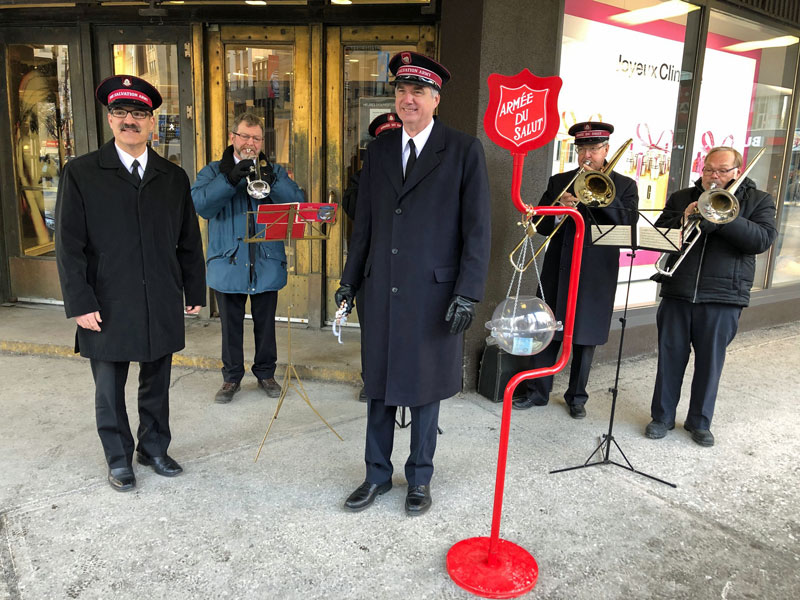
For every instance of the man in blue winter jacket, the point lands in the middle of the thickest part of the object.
(237, 269)
(702, 301)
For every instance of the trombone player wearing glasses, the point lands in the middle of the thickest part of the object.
(704, 289)
(599, 267)
(223, 193)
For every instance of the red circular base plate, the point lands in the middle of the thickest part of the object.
(514, 574)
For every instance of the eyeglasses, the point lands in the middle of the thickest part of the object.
(246, 138)
(122, 113)
(707, 171)
(591, 149)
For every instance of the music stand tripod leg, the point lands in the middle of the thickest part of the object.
(274, 416)
(302, 393)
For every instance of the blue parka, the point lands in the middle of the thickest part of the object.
(228, 256)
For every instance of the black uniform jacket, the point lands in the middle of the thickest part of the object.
(414, 246)
(721, 265)
(599, 264)
(132, 254)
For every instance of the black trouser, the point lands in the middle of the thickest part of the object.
(112, 419)
(708, 328)
(231, 314)
(362, 319)
(581, 365)
(380, 440)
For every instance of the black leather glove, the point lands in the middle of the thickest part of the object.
(460, 314)
(239, 172)
(347, 293)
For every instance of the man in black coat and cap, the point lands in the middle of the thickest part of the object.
(420, 249)
(130, 259)
(599, 269)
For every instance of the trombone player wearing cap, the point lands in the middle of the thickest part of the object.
(599, 268)
(130, 259)
(702, 298)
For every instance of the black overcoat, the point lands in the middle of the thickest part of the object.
(133, 254)
(414, 246)
(599, 264)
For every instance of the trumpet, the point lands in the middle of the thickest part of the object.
(717, 205)
(593, 189)
(257, 188)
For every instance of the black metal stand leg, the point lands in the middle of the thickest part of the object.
(402, 423)
(608, 438)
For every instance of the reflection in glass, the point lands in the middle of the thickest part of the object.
(787, 246)
(261, 80)
(745, 100)
(43, 135)
(158, 65)
(367, 94)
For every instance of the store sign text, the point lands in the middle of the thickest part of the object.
(664, 71)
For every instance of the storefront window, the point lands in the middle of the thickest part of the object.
(624, 66)
(43, 135)
(787, 246)
(745, 100)
(158, 65)
(261, 80)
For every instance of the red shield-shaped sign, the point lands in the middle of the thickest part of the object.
(523, 111)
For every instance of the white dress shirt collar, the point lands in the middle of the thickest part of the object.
(419, 140)
(127, 160)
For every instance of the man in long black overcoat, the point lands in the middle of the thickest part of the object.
(130, 259)
(599, 270)
(420, 249)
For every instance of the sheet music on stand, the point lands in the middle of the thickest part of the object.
(661, 239)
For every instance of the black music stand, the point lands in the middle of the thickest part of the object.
(625, 236)
(402, 423)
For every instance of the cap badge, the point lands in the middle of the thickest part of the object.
(406, 58)
(586, 127)
(390, 118)
(126, 82)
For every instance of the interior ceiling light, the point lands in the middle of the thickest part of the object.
(256, 2)
(776, 42)
(664, 10)
(341, 1)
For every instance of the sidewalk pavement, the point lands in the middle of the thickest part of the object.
(230, 527)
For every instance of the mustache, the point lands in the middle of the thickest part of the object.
(130, 126)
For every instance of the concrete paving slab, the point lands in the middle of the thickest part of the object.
(233, 528)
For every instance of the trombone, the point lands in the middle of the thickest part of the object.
(718, 205)
(593, 189)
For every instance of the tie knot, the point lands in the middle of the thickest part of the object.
(412, 146)
(135, 167)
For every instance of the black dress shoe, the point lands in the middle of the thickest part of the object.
(527, 402)
(365, 494)
(163, 465)
(362, 395)
(418, 500)
(122, 479)
(577, 411)
(703, 437)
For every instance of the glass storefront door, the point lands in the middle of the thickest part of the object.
(317, 90)
(160, 56)
(357, 69)
(267, 71)
(40, 75)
